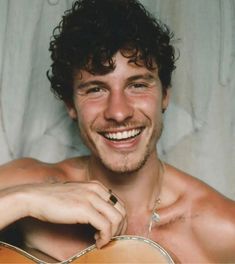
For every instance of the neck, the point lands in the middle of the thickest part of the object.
(128, 186)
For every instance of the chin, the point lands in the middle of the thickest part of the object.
(125, 164)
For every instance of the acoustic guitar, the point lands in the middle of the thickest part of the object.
(121, 249)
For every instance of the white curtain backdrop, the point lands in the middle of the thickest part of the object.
(199, 133)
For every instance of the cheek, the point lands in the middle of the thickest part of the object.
(87, 112)
(149, 105)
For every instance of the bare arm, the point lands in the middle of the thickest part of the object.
(11, 207)
(28, 170)
(26, 191)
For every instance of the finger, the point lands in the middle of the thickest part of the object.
(109, 211)
(124, 227)
(118, 204)
(105, 194)
(112, 198)
(91, 216)
(123, 224)
(121, 208)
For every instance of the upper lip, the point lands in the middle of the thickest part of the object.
(122, 134)
(120, 130)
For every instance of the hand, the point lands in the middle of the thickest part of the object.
(76, 202)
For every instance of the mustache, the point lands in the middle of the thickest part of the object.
(112, 125)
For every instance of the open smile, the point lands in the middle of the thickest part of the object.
(122, 135)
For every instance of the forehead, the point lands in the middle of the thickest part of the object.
(124, 68)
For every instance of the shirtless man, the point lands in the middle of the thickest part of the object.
(112, 65)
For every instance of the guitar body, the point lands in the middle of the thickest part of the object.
(122, 249)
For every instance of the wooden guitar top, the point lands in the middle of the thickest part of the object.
(122, 249)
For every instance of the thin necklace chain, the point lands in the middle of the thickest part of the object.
(155, 217)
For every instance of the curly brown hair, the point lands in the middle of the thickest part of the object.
(93, 31)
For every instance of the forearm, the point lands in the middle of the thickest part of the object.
(12, 206)
(60, 203)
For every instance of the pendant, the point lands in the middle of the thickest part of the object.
(155, 217)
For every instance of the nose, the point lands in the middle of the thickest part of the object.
(118, 107)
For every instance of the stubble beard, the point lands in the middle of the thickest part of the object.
(127, 165)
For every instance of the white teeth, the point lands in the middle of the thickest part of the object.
(123, 135)
(119, 135)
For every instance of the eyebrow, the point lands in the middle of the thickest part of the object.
(147, 77)
(86, 84)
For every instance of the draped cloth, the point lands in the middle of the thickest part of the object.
(199, 125)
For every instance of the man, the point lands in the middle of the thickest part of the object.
(112, 66)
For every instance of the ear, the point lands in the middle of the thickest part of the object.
(71, 110)
(165, 99)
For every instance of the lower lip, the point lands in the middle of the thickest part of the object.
(125, 145)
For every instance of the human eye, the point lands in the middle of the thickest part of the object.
(138, 86)
(92, 91)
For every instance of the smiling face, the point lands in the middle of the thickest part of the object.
(120, 114)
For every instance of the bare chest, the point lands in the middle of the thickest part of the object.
(180, 241)
(177, 238)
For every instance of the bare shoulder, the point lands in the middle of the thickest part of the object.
(212, 215)
(214, 225)
(29, 170)
(75, 169)
(21, 171)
